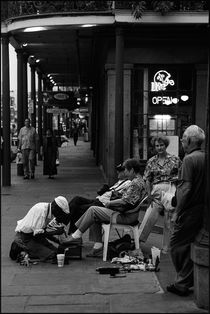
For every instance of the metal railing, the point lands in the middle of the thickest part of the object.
(15, 9)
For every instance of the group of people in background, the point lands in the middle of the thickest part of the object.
(183, 181)
(29, 144)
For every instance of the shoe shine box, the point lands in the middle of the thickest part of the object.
(74, 251)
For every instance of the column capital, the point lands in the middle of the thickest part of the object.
(119, 31)
(25, 56)
(111, 66)
(32, 66)
(5, 39)
(19, 52)
(39, 73)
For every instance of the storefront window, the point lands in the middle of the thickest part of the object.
(163, 103)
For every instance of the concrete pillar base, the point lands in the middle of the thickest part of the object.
(200, 257)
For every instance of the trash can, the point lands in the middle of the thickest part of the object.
(19, 162)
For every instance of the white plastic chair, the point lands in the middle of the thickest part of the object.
(107, 228)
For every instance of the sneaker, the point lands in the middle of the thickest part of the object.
(96, 253)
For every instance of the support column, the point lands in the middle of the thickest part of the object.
(20, 116)
(127, 110)
(49, 115)
(44, 112)
(33, 96)
(110, 124)
(200, 248)
(119, 98)
(6, 171)
(25, 86)
(40, 105)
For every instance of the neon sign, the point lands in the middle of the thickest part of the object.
(165, 100)
(161, 80)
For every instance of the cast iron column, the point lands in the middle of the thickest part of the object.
(33, 96)
(20, 117)
(44, 112)
(40, 105)
(6, 170)
(200, 248)
(119, 97)
(25, 86)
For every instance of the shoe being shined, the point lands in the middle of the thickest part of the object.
(71, 241)
(95, 253)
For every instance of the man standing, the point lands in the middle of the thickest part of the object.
(188, 215)
(27, 145)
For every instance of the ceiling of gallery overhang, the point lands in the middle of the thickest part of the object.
(67, 53)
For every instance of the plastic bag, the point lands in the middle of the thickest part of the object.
(19, 158)
(57, 162)
(167, 198)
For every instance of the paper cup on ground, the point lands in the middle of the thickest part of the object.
(155, 252)
(60, 259)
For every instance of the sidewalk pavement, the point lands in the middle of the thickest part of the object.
(77, 287)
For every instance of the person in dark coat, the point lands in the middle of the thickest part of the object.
(188, 215)
(50, 154)
(75, 134)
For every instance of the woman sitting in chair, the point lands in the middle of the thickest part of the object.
(96, 215)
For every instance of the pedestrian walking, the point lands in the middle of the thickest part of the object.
(50, 154)
(28, 140)
(75, 134)
(188, 215)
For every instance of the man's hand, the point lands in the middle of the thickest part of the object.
(107, 204)
(54, 231)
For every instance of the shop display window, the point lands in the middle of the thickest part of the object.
(163, 102)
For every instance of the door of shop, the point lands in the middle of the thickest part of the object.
(163, 102)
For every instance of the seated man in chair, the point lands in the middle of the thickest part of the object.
(96, 215)
(78, 205)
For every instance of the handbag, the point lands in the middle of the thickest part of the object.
(57, 162)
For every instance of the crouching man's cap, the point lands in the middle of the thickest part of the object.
(62, 202)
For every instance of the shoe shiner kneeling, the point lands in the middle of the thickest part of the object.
(32, 235)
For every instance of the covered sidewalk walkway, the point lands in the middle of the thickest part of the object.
(76, 288)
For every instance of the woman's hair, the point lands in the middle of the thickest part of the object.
(160, 138)
(196, 134)
(132, 163)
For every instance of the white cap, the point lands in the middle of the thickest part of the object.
(62, 202)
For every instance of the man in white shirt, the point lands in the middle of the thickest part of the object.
(31, 233)
(28, 139)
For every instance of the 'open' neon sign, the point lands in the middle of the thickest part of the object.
(161, 80)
